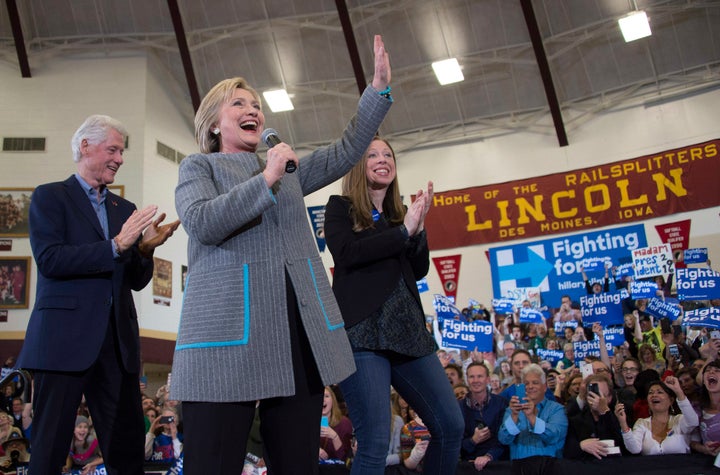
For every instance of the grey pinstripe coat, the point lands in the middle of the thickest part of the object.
(233, 342)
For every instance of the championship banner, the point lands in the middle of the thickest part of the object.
(449, 269)
(702, 317)
(553, 265)
(697, 284)
(317, 219)
(660, 184)
(675, 234)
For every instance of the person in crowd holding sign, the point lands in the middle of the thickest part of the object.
(566, 312)
(483, 413)
(257, 297)
(533, 424)
(665, 431)
(591, 428)
(706, 440)
(596, 287)
(380, 250)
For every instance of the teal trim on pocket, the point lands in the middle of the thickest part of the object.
(322, 306)
(246, 318)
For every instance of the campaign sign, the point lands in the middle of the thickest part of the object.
(614, 335)
(663, 309)
(653, 260)
(583, 349)
(698, 255)
(99, 470)
(445, 308)
(467, 335)
(530, 315)
(422, 285)
(643, 289)
(553, 265)
(697, 284)
(503, 305)
(596, 264)
(605, 308)
(702, 317)
(561, 326)
(552, 356)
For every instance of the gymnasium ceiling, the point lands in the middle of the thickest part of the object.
(302, 45)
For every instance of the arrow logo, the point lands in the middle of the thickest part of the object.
(535, 268)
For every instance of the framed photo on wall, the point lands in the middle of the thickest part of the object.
(117, 189)
(14, 209)
(14, 282)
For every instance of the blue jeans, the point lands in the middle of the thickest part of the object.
(423, 384)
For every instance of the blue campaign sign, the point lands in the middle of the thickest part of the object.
(702, 317)
(530, 315)
(643, 289)
(503, 305)
(698, 255)
(614, 335)
(583, 349)
(605, 308)
(560, 327)
(552, 356)
(697, 284)
(596, 264)
(467, 335)
(663, 309)
(422, 285)
(553, 265)
(445, 308)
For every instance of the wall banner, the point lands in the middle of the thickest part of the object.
(664, 183)
(553, 265)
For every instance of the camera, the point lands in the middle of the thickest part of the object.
(674, 351)
(594, 388)
(167, 419)
(481, 425)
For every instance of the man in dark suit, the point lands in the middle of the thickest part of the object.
(83, 336)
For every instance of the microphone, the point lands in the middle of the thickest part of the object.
(271, 138)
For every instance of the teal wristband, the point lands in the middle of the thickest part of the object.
(386, 93)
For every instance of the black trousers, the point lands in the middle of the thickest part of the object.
(216, 434)
(113, 398)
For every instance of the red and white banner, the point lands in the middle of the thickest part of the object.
(665, 183)
(449, 269)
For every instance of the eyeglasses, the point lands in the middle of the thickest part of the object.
(630, 370)
(602, 370)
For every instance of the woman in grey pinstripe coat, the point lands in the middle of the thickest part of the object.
(259, 319)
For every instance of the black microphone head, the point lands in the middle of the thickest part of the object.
(270, 137)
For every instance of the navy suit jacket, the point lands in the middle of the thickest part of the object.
(80, 285)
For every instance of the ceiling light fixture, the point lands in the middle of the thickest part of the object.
(448, 71)
(278, 100)
(635, 25)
